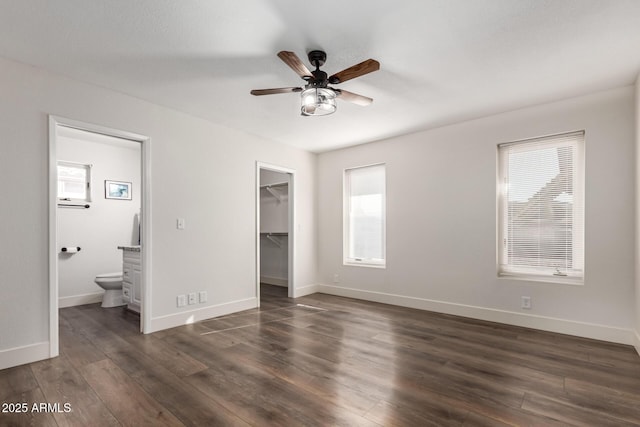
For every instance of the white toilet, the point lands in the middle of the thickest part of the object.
(112, 285)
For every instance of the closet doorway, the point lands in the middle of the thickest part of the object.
(274, 227)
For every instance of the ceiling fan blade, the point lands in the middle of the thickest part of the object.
(292, 60)
(353, 97)
(273, 91)
(365, 67)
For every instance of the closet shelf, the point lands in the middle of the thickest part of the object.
(270, 189)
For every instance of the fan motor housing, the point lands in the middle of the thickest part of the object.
(319, 79)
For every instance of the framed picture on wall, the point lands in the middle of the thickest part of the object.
(117, 190)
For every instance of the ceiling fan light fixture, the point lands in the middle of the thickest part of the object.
(317, 101)
(317, 98)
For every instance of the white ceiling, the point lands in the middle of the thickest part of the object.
(442, 61)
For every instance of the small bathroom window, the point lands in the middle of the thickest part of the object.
(74, 181)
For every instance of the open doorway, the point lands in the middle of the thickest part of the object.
(98, 194)
(274, 227)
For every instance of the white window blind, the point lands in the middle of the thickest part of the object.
(364, 225)
(74, 181)
(541, 215)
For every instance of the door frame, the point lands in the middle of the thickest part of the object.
(291, 256)
(55, 122)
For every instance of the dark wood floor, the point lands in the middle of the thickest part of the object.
(323, 360)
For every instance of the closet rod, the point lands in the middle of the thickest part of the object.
(277, 184)
(284, 233)
(273, 240)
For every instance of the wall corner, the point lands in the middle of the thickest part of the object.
(637, 216)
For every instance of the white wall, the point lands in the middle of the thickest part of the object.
(200, 171)
(108, 224)
(637, 213)
(274, 217)
(441, 220)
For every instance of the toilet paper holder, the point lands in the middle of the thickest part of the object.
(71, 249)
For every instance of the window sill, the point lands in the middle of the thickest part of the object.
(363, 264)
(69, 200)
(562, 280)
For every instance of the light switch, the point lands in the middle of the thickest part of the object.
(180, 224)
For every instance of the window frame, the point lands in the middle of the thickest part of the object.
(87, 184)
(346, 221)
(578, 178)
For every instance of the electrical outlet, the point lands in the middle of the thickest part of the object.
(202, 296)
(180, 224)
(526, 303)
(192, 298)
(182, 300)
(336, 278)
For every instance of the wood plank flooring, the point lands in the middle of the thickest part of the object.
(323, 360)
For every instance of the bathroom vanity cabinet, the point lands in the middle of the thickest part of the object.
(131, 277)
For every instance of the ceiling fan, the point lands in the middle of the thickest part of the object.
(318, 98)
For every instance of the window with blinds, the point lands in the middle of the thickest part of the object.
(364, 216)
(541, 207)
(74, 181)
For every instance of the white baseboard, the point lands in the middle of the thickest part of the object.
(191, 316)
(563, 326)
(277, 281)
(22, 355)
(305, 290)
(80, 300)
(636, 343)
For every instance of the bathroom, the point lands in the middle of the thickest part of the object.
(99, 200)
